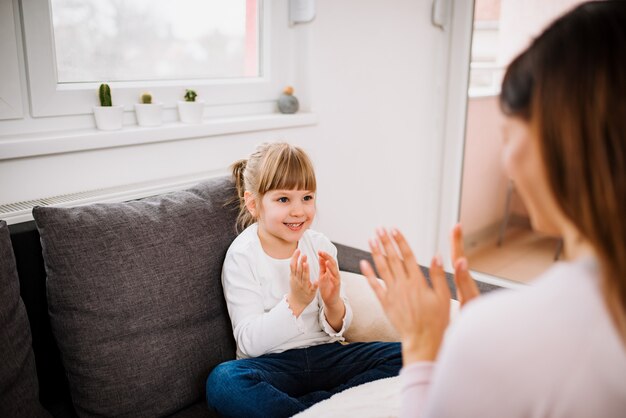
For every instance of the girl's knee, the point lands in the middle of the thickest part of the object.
(225, 379)
(218, 381)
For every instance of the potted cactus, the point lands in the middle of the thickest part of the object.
(108, 117)
(190, 109)
(148, 113)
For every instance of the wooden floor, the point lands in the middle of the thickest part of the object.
(523, 255)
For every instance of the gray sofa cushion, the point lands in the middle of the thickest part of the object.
(135, 297)
(19, 389)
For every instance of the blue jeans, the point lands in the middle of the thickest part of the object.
(283, 384)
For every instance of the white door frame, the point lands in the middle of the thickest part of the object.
(454, 135)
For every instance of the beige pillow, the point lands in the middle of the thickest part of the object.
(369, 322)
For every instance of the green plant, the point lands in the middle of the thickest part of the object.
(146, 98)
(105, 95)
(190, 95)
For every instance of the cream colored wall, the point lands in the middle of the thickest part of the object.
(484, 180)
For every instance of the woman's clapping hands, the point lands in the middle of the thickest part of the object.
(418, 310)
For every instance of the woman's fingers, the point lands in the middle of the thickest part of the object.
(381, 263)
(368, 272)
(456, 242)
(410, 263)
(465, 284)
(438, 279)
(393, 259)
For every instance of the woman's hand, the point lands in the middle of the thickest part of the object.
(330, 285)
(466, 288)
(302, 291)
(419, 313)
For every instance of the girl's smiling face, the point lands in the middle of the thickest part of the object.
(283, 216)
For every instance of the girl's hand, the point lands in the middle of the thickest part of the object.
(466, 288)
(302, 291)
(329, 280)
(330, 286)
(419, 313)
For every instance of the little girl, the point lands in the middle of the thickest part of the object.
(284, 296)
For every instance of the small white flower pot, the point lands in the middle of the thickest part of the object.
(108, 118)
(191, 112)
(149, 114)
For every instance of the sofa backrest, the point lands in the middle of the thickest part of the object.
(134, 314)
(53, 388)
(19, 388)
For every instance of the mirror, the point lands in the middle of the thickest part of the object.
(498, 237)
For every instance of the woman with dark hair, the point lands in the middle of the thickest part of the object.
(558, 347)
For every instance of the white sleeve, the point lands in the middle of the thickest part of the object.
(347, 318)
(415, 380)
(256, 331)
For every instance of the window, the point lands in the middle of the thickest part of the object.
(220, 48)
(486, 71)
(139, 40)
(10, 88)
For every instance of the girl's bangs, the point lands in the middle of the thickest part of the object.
(288, 170)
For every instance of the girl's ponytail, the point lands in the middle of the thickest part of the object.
(244, 219)
(238, 168)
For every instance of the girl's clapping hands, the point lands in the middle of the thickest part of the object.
(302, 291)
(329, 280)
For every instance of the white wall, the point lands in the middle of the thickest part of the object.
(378, 76)
(375, 74)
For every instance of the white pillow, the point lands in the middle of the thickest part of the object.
(377, 399)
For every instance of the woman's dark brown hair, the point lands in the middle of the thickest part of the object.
(570, 85)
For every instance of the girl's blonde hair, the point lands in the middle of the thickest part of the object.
(273, 166)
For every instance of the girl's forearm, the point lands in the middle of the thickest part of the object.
(335, 314)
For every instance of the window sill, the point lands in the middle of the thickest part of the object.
(30, 145)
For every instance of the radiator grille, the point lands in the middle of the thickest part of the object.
(28, 205)
(22, 211)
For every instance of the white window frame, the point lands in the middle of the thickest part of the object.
(10, 87)
(454, 138)
(48, 98)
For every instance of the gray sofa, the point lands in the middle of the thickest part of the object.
(117, 309)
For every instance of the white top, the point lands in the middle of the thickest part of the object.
(256, 287)
(549, 350)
